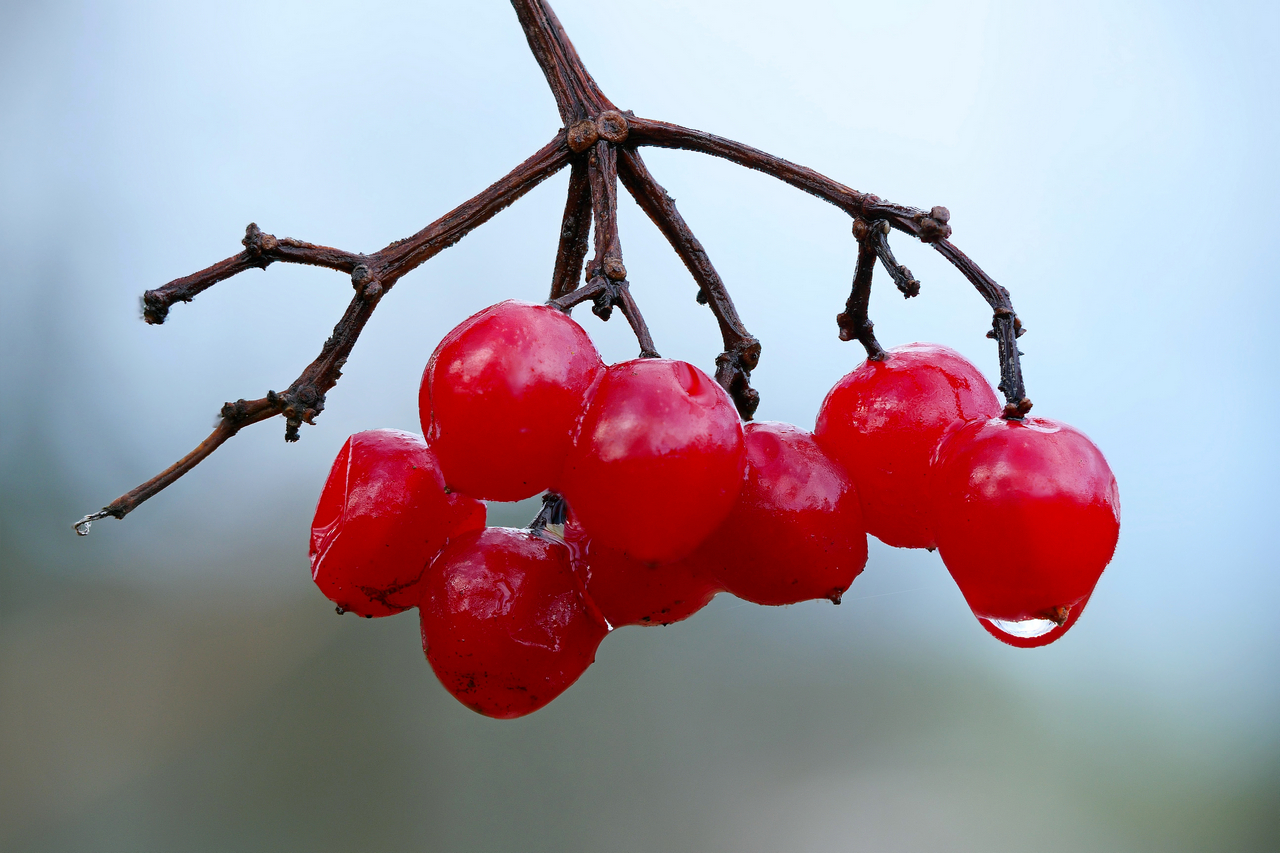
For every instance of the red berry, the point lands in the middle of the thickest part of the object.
(657, 462)
(628, 592)
(796, 530)
(1027, 517)
(382, 516)
(504, 624)
(883, 422)
(500, 398)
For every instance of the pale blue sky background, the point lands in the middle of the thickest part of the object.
(1111, 163)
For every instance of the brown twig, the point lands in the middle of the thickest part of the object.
(854, 322)
(1006, 328)
(929, 227)
(602, 172)
(902, 277)
(590, 290)
(371, 275)
(741, 350)
(260, 251)
(917, 223)
(627, 305)
(576, 93)
(575, 228)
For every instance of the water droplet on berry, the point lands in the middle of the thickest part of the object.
(1026, 628)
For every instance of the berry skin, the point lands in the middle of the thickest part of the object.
(657, 462)
(504, 625)
(796, 531)
(500, 398)
(883, 422)
(1027, 517)
(628, 592)
(382, 517)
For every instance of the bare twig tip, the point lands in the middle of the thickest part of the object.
(82, 526)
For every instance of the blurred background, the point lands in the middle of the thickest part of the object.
(175, 682)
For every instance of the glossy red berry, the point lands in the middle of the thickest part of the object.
(883, 422)
(382, 517)
(1027, 517)
(629, 592)
(500, 398)
(504, 623)
(657, 462)
(796, 530)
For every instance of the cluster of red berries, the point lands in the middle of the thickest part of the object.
(659, 497)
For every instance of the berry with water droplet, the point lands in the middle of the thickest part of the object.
(883, 422)
(1034, 633)
(1027, 515)
(657, 462)
(382, 517)
(629, 592)
(501, 395)
(504, 624)
(795, 532)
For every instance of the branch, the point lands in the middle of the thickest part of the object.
(627, 304)
(404, 256)
(854, 322)
(234, 416)
(575, 227)
(918, 223)
(590, 290)
(931, 227)
(602, 171)
(1006, 328)
(742, 350)
(372, 276)
(576, 93)
(902, 277)
(260, 251)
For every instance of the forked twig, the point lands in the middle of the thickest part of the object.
(601, 144)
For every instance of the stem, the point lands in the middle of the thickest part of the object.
(590, 290)
(929, 227)
(404, 256)
(242, 413)
(261, 250)
(553, 511)
(602, 171)
(575, 91)
(854, 322)
(742, 350)
(575, 227)
(918, 223)
(902, 277)
(627, 304)
(1006, 328)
